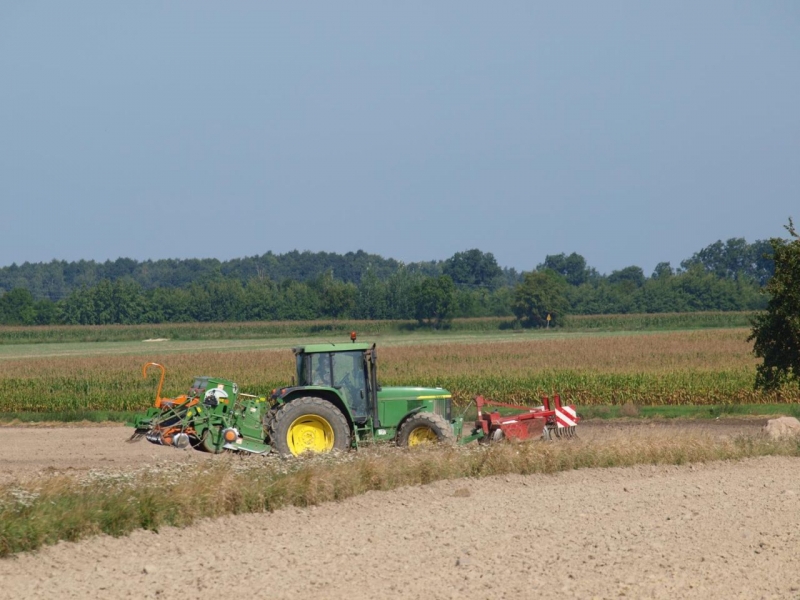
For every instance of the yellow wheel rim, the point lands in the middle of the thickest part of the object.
(421, 436)
(310, 433)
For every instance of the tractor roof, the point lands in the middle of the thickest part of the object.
(343, 347)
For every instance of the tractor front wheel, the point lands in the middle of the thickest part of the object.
(425, 428)
(309, 425)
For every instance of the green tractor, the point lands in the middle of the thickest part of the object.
(336, 403)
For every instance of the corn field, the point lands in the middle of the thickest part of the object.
(677, 368)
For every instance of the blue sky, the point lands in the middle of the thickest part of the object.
(630, 132)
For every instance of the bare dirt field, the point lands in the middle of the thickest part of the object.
(29, 452)
(717, 530)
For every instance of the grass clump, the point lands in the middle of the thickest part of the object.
(56, 508)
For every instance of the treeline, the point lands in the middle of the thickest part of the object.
(724, 276)
(58, 279)
(431, 300)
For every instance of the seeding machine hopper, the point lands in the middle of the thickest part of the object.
(335, 404)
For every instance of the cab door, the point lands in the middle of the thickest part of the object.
(349, 377)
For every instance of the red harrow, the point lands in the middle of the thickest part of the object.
(548, 421)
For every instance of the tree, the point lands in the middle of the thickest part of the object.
(400, 289)
(337, 299)
(632, 275)
(540, 293)
(17, 308)
(734, 259)
(572, 267)
(435, 301)
(297, 302)
(47, 312)
(260, 299)
(663, 270)
(371, 298)
(473, 268)
(776, 332)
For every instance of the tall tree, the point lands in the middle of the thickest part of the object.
(336, 298)
(663, 270)
(371, 298)
(573, 267)
(473, 268)
(17, 308)
(734, 259)
(541, 293)
(435, 300)
(776, 332)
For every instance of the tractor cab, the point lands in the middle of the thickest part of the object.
(350, 369)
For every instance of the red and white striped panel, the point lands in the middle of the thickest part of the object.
(565, 416)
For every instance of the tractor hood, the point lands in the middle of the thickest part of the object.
(396, 403)
(413, 393)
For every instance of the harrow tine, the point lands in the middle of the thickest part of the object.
(137, 436)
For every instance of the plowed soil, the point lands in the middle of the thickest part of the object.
(718, 530)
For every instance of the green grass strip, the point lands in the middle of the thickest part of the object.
(292, 329)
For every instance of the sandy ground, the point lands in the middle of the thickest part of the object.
(721, 530)
(29, 452)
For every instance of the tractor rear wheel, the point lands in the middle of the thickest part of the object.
(425, 428)
(269, 417)
(309, 425)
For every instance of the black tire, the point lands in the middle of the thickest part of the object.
(425, 425)
(269, 417)
(207, 445)
(286, 428)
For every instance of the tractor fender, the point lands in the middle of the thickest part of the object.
(328, 395)
(407, 416)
